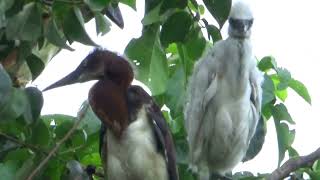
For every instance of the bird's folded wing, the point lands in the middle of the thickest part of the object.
(164, 139)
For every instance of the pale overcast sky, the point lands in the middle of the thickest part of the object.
(287, 29)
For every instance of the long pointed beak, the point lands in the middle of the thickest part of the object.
(73, 77)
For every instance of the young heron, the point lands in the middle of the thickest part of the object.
(224, 99)
(135, 141)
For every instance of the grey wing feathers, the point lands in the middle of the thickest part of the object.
(200, 90)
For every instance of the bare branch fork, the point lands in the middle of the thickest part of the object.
(57, 146)
(293, 164)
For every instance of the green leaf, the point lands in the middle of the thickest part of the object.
(285, 77)
(15, 106)
(130, 3)
(5, 86)
(281, 94)
(57, 118)
(292, 152)
(102, 24)
(8, 170)
(219, 9)
(267, 63)
(285, 138)
(176, 91)
(40, 134)
(90, 122)
(257, 141)
(26, 25)
(268, 90)
(149, 57)
(55, 36)
(176, 28)
(97, 5)
(91, 159)
(152, 16)
(35, 64)
(214, 33)
(195, 43)
(300, 89)
(166, 5)
(35, 101)
(73, 26)
(53, 170)
(280, 113)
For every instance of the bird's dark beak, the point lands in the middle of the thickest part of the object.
(73, 77)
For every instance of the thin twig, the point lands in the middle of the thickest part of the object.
(57, 146)
(23, 144)
(293, 164)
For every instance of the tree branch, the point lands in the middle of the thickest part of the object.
(23, 144)
(57, 146)
(294, 164)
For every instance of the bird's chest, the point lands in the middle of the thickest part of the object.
(134, 156)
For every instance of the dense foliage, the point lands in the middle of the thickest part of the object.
(174, 36)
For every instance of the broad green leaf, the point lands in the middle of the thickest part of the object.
(214, 33)
(152, 16)
(292, 152)
(280, 113)
(185, 173)
(174, 125)
(97, 5)
(257, 141)
(73, 26)
(62, 129)
(8, 170)
(285, 77)
(35, 65)
(15, 106)
(56, 36)
(176, 91)
(285, 138)
(5, 86)
(90, 123)
(79, 138)
(219, 9)
(195, 43)
(53, 170)
(130, 3)
(26, 25)
(35, 101)
(27, 167)
(176, 28)
(267, 63)
(102, 24)
(268, 90)
(91, 159)
(300, 89)
(57, 118)
(40, 134)
(19, 156)
(281, 94)
(172, 4)
(150, 60)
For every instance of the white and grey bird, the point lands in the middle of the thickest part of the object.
(224, 99)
